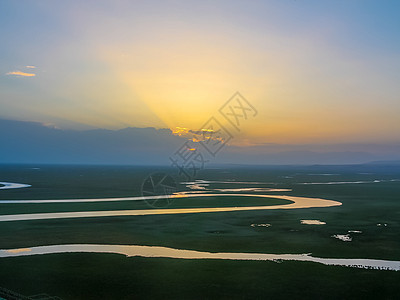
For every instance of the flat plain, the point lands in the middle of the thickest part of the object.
(369, 216)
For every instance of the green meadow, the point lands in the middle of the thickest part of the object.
(370, 202)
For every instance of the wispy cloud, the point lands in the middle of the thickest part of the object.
(30, 67)
(19, 73)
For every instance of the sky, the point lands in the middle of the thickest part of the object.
(317, 72)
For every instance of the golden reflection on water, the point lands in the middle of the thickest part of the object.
(156, 251)
(19, 250)
(297, 202)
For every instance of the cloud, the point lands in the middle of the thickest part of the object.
(155, 147)
(198, 135)
(30, 67)
(19, 73)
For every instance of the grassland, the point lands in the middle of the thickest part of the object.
(85, 276)
(109, 276)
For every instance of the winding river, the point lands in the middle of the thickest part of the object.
(12, 185)
(153, 251)
(297, 202)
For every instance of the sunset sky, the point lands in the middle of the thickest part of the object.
(317, 71)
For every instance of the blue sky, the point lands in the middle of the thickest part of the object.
(317, 71)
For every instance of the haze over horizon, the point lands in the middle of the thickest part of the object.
(323, 78)
(35, 143)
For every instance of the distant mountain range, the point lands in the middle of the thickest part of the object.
(385, 162)
(31, 142)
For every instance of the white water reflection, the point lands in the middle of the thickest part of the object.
(343, 237)
(312, 222)
(151, 251)
(348, 182)
(297, 202)
(199, 186)
(253, 190)
(200, 181)
(261, 225)
(11, 185)
(354, 231)
(323, 174)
